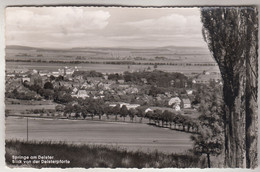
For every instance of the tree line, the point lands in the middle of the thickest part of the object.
(113, 62)
(96, 107)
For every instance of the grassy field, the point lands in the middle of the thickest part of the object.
(130, 136)
(87, 156)
(106, 68)
(171, 53)
(19, 107)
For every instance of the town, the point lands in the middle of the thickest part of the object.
(76, 94)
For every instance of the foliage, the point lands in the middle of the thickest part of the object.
(210, 139)
(48, 85)
(157, 77)
(29, 95)
(123, 111)
(115, 77)
(86, 74)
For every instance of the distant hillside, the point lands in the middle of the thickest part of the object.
(182, 54)
(20, 47)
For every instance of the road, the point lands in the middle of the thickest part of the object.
(130, 136)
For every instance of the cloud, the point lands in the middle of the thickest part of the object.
(170, 24)
(96, 26)
(64, 20)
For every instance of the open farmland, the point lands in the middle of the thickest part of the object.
(21, 58)
(18, 107)
(131, 136)
(106, 68)
(184, 54)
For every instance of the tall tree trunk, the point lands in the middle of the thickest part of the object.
(251, 90)
(234, 128)
(208, 158)
(231, 34)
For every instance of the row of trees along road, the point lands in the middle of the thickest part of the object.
(96, 107)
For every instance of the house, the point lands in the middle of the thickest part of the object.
(121, 93)
(61, 72)
(128, 106)
(66, 84)
(144, 80)
(174, 101)
(160, 108)
(78, 78)
(110, 82)
(41, 73)
(34, 71)
(66, 71)
(105, 77)
(189, 92)
(106, 86)
(74, 90)
(56, 84)
(86, 85)
(132, 90)
(75, 85)
(158, 98)
(94, 80)
(206, 78)
(68, 77)
(168, 94)
(56, 74)
(124, 86)
(132, 106)
(26, 79)
(92, 93)
(69, 71)
(186, 103)
(10, 75)
(177, 107)
(121, 81)
(148, 110)
(82, 94)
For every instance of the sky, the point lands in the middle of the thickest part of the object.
(68, 27)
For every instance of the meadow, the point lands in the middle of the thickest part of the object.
(93, 156)
(130, 136)
(19, 107)
(105, 68)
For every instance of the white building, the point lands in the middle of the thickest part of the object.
(177, 108)
(148, 110)
(174, 101)
(128, 106)
(81, 94)
(186, 103)
(189, 92)
(26, 79)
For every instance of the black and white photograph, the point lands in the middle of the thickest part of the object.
(131, 87)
